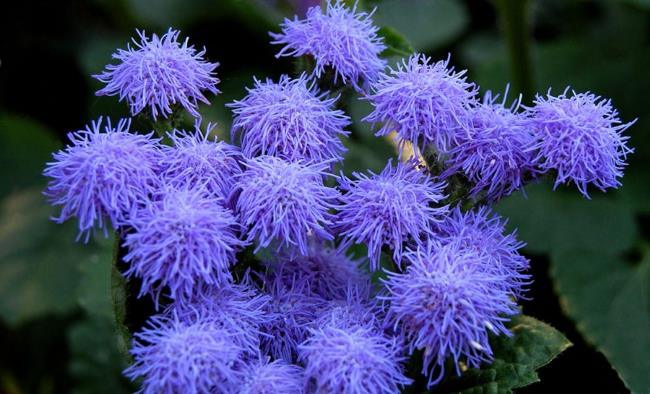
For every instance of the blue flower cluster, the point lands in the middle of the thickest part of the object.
(246, 249)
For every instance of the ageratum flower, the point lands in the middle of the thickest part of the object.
(277, 377)
(180, 240)
(481, 230)
(236, 308)
(425, 103)
(445, 303)
(352, 360)
(158, 73)
(103, 175)
(292, 310)
(284, 202)
(175, 356)
(196, 161)
(290, 120)
(388, 209)
(329, 271)
(580, 137)
(340, 38)
(357, 308)
(493, 152)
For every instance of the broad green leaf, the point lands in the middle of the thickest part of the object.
(25, 147)
(609, 299)
(397, 45)
(516, 359)
(559, 220)
(427, 24)
(94, 293)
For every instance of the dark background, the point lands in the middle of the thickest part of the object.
(49, 49)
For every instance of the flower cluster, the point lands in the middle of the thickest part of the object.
(251, 253)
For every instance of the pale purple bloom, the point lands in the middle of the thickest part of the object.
(176, 356)
(160, 72)
(339, 37)
(355, 308)
(580, 138)
(425, 103)
(352, 360)
(493, 151)
(263, 376)
(103, 175)
(180, 240)
(290, 120)
(446, 303)
(284, 202)
(399, 204)
(198, 161)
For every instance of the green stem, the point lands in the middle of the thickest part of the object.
(513, 19)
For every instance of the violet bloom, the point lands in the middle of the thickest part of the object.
(284, 202)
(174, 356)
(158, 73)
(580, 138)
(341, 38)
(103, 175)
(290, 120)
(180, 240)
(493, 152)
(482, 230)
(425, 103)
(197, 161)
(357, 308)
(387, 209)
(446, 303)
(272, 377)
(352, 360)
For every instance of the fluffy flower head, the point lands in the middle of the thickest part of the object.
(289, 120)
(160, 72)
(276, 377)
(284, 202)
(388, 209)
(580, 137)
(424, 102)
(339, 37)
(102, 175)
(196, 161)
(181, 239)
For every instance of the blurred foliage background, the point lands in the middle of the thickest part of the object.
(591, 259)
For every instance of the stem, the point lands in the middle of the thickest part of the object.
(513, 19)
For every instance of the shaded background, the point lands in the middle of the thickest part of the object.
(590, 258)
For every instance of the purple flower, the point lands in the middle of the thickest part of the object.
(284, 202)
(483, 231)
(102, 175)
(388, 209)
(289, 120)
(580, 137)
(352, 360)
(493, 152)
(424, 103)
(291, 312)
(329, 271)
(356, 308)
(174, 356)
(276, 377)
(340, 38)
(159, 73)
(196, 161)
(180, 240)
(445, 303)
(238, 309)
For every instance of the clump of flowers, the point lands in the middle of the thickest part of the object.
(290, 120)
(339, 37)
(159, 73)
(579, 137)
(252, 252)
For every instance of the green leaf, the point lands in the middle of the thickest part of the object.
(516, 359)
(552, 221)
(397, 45)
(609, 299)
(427, 24)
